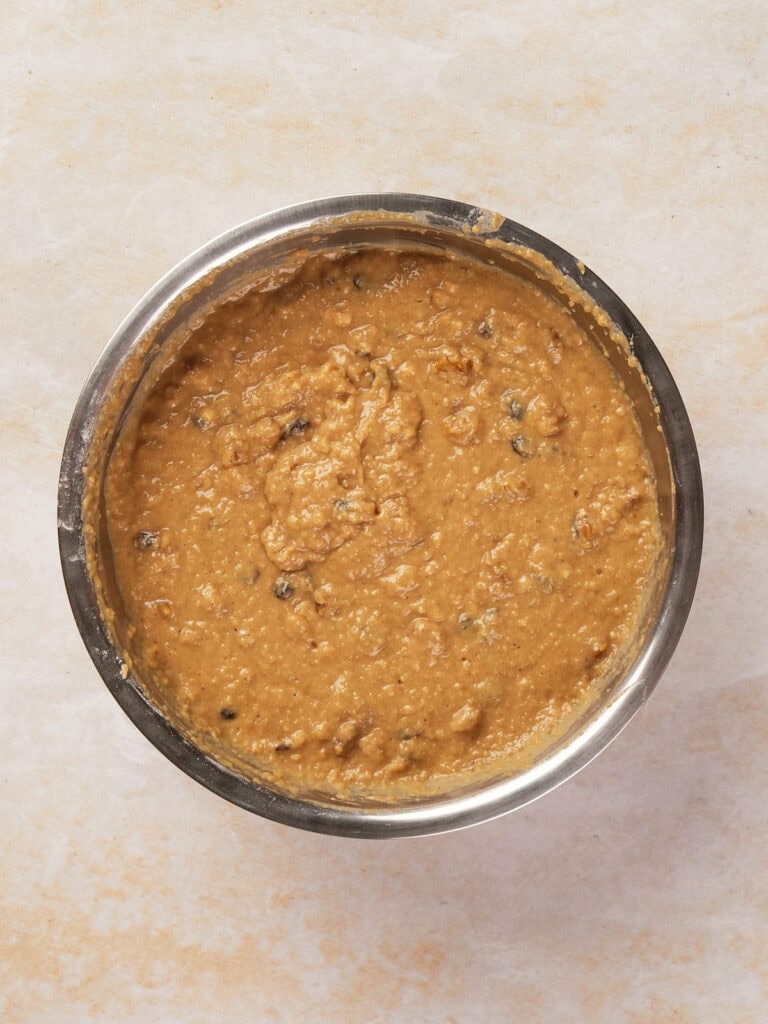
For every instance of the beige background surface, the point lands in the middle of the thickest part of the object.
(635, 135)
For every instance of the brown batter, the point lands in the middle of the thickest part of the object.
(383, 524)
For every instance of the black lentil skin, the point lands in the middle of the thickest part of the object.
(145, 539)
(283, 589)
(516, 409)
(295, 428)
(228, 714)
(520, 447)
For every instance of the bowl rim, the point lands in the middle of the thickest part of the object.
(450, 812)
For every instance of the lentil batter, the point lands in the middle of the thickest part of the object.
(381, 523)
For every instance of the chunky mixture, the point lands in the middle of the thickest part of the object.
(382, 523)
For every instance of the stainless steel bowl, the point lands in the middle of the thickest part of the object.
(217, 270)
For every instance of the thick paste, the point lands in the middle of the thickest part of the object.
(382, 524)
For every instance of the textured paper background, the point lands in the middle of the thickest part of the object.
(635, 135)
